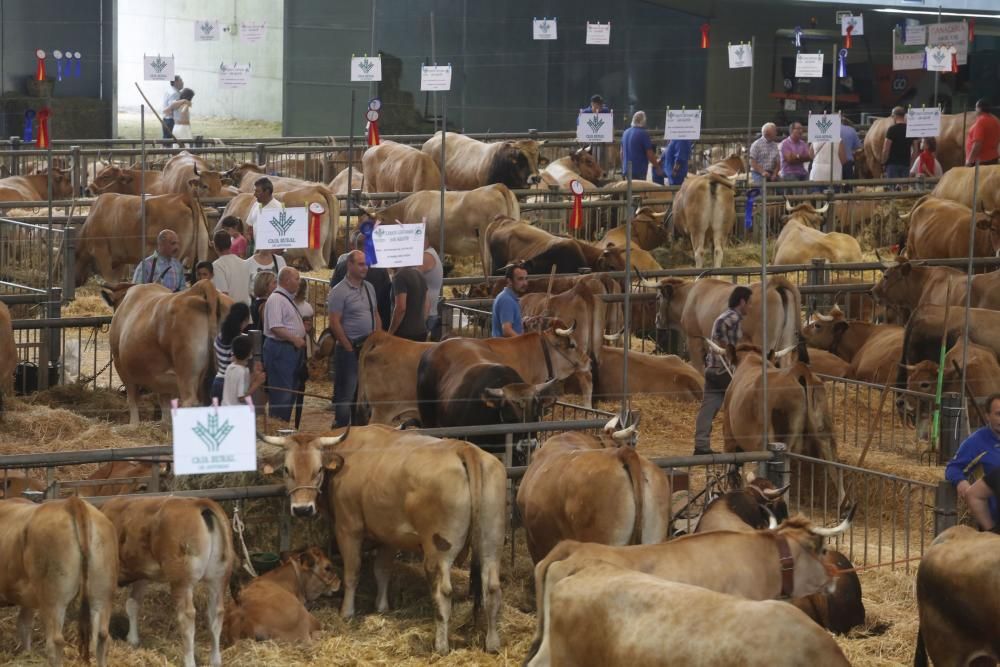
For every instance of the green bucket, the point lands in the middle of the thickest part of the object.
(264, 561)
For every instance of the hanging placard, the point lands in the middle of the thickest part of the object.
(252, 32)
(235, 75)
(740, 55)
(857, 21)
(595, 128)
(206, 30)
(950, 34)
(399, 245)
(435, 77)
(157, 68)
(809, 65)
(683, 124)
(214, 439)
(939, 58)
(923, 123)
(904, 55)
(824, 127)
(598, 33)
(916, 35)
(366, 68)
(284, 228)
(544, 28)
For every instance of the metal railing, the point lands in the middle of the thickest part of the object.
(74, 349)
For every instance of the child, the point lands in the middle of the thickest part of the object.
(926, 163)
(234, 227)
(240, 382)
(204, 271)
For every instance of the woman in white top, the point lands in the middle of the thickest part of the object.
(262, 260)
(181, 110)
(820, 169)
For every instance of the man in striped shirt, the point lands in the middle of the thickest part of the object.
(727, 330)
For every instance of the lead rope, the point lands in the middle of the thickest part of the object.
(238, 528)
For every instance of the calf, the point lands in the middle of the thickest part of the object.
(180, 542)
(272, 606)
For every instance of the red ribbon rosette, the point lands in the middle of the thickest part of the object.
(40, 70)
(705, 28)
(576, 213)
(316, 212)
(43, 127)
(847, 37)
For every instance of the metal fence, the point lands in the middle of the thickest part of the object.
(74, 349)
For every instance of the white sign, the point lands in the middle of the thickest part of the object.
(809, 65)
(287, 228)
(399, 245)
(595, 128)
(939, 58)
(683, 124)
(790, 104)
(157, 68)
(543, 28)
(857, 21)
(950, 34)
(214, 439)
(206, 30)
(916, 35)
(740, 55)
(435, 77)
(234, 75)
(923, 123)
(598, 33)
(366, 69)
(252, 32)
(824, 127)
(905, 55)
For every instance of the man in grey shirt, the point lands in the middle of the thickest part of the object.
(353, 316)
(284, 344)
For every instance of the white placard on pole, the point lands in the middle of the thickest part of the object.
(682, 124)
(824, 127)
(544, 29)
(399, 245)
(157, 68)
(923, 123)
(598, 33)
(916, 35)
(809, 65)
(595, 128)
(287, 228)
(365, 68)
(252, 32)
(435, 77)
(938, 58)
(214, 439)
(857, 21)
(740, 55)
(206, 30)
(951, 34)
(235, 75)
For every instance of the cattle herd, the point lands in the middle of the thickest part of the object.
(599, 518)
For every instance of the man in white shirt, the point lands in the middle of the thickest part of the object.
(172, 96)
(230, 275)
(263, 192)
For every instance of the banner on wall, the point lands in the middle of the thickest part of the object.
(544, 29)
(366, 68)
(252, 32)
(157, 68)
(740, 55)
(599, 33)
(206, 30)
(951, 34)
(236, 75)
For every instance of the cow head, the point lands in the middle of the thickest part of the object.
(113, 293)
(110, 179)
(805, 213)
(585, 164)
(824, 331)
(62, 182)
(522, 402)
(512, 167)
(314, 572)
(811, 571)
(922, 377)
(211, 181)
(566, 356)
(668, 309)
(612, 258)
(304, 465)
(236, 174)
(768, 496)
(895, 287)
(529, 148)
(649, 227)
(197, 188)
(990, 221)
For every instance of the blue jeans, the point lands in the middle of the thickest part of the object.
(217, 384)
(281, 363)
(169, 123)
(345, 384)
(897, 171)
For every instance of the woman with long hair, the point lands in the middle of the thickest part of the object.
(232, 326)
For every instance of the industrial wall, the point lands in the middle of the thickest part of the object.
(168, 28)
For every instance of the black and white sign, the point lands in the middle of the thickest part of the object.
(596, 128)
(543, 29)
(234, 75)
(399, 245)
(809, 65)
(599, 33)
(287, 228)
(435, 77)
(682, 124)
(252, 32)
(923, 123)
(157, 68)
(857, 21)
(206, 30)
(950, 34)
(366, 68)
(740, 55)
(214, 439)
(824, 127)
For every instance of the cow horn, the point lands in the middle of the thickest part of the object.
(624, 434)
(772, 521)
(493, 392)
(196, 170)
(781, 353)
(612, 424)
(278, 441)
(823, 209)
(330, 440)
(823, 318)
(837, 530)
(613, 337)
(774, 494)
(788, 206)
(566, 332)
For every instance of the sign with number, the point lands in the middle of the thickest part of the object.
(950, 34)
(366, 68)
(809, 65)
(157, 68)
(544, 29)
(214, 439)
(595, 128)
(857, 21)
(285, 228)
(252, 32)
(683, 124)
(235, 75)
(740, 55)
(923, 123)
(824, 127)
(206, 30)
(399, 245)
(435, 77)
(599, 33)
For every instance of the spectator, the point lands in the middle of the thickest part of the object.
(230, 272)
(637, 148)
(765, 155)
(379, 279)
(284, 345)
(984, 136)
(234, 324)
(168, 114)
(506, 312)
(204, 271)
(409, 311)
(350, 307)
(596, 105)
(674, 162)
(162, 266)
(434, 276)
(897, 149)
(263, 192)
(181, 111)
(795, 152)
(824, 167)
(308, 314)
(234, 227)
(979, 456)
(262, 260)
(926, 164)
(239, 381)
(852, 144)
(264, 283)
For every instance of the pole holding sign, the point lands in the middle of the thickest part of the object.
(683, 124)
(214, 439)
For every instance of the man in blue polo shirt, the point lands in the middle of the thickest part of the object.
(506, 312)
(637, 148)
(980, 452)
(674, 162)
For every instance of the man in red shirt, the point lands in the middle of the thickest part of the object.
(984, 136)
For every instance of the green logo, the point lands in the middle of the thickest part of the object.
(739, 52)
(158, 65)
(824, 124)
(282, 223)
(595, 124)
(418, 231)
(206, 28)
(366, 66)
(938, 57)
(213, 435)
(544, 26)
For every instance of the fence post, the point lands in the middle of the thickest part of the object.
(777, 469)
(69, 262)
(951, 426)
(77, 174)
(15, 144)
(261, 151)
(945, 507)
(818, 274)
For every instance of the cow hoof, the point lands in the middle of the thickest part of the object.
(492, 644)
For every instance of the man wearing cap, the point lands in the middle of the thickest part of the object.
(172, 96)
(984, 136)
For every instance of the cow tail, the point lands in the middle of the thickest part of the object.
(333, 210)
(513, 207)
(791, 304)
(217, 524)
(920, 658)
(633, 467)
(470, 459)
(78, 513)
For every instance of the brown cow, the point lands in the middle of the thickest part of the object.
(111, 237)
(180, 169)
(955, 610)
(36, 187)
(507, 239)
(950, 143)
(392, 167)
(871, 350)
(993, 227)
(53, 552)
(122, 180)
(8, 355)
(592, 489)
(580, 165)
(246, 174)
(800, 242)
(181, 542)
(387, 378)
(579, 304)
(13, 484)
(163, 341)
(704, 209)
(272, 606)
(956, 185)
(120, 479)
(406, 492)
(648, 231)
(982, 375)
(667, 376)
(827, 363)
(930, 325)
(339, 184)
(471, 164)
(906, 285)
(939, 228)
